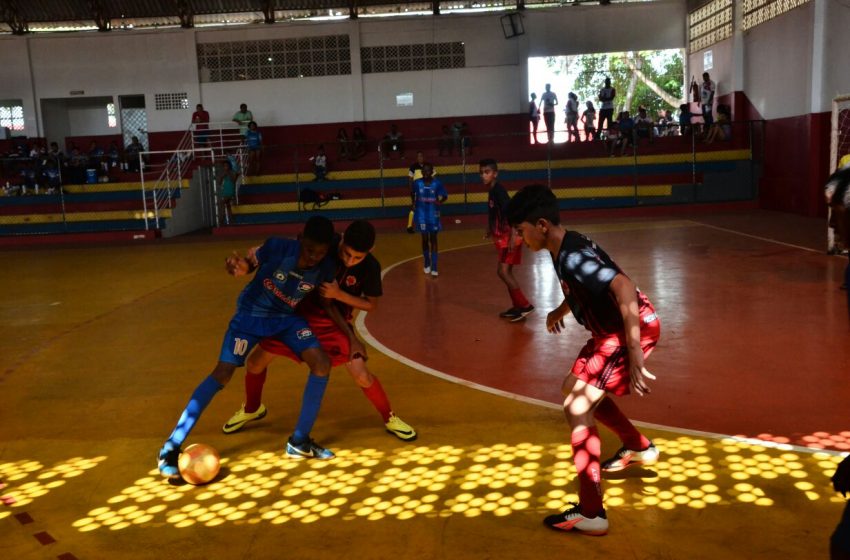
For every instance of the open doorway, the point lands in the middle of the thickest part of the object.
(134, 119)
(650, 79)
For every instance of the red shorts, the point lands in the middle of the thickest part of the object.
(509, 257)
(334, 342)
(603, 362)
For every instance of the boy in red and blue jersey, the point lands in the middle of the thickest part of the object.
(356, 285)
(624, 329)
(508, 245)
(428, 194)
(286, 272)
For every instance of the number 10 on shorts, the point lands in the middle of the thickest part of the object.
(240, 345)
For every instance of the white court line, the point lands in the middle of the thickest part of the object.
(360, 323)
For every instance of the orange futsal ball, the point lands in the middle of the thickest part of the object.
(199, 463)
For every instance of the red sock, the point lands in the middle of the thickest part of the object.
(375, 393)
(518, 298)
(586, 449)
(609, 415)
(254, 390)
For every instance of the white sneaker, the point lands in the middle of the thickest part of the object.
(573, 520)
(427, 270)
(625, 457)
(434, 273)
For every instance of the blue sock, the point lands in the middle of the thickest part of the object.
(314, 391)
(197, 403)
(433, 260)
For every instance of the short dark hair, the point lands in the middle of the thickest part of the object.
(319, 229)
(532, 203)
(489, 162)
(360, 236)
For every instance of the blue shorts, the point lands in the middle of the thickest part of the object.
(245, 331)
(429, 227)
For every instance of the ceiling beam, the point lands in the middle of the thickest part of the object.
(13, 19)
(100, 15)
(185, 13)
(268, 11)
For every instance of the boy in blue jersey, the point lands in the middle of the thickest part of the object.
(286, 272)
(428, 194)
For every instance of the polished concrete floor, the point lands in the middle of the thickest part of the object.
(101, 346)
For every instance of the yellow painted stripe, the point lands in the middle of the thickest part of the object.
(83, 217)
(396, 201)
(723, 155)
(113, 187)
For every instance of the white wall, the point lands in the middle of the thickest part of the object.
(493, 82)
(16, 81)
(836, 77)
(778, 64)
(119, 63)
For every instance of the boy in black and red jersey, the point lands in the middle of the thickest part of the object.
(357, 285)
(508, 245)
(624, 329)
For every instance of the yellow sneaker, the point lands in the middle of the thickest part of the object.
(400, 429)
(238, 420)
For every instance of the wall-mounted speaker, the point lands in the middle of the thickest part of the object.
(512, 25)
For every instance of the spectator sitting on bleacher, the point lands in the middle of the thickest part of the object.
(114, 154)
(612, 136)
(52, 176)
(643, 125)
(131, 154)
(627, 131)
(95, 156)
(359, 143)
(76, 166)
(721, 128)
(393, 142)
(665, 125)
(55, 155)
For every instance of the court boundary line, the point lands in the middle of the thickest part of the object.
(360, 323)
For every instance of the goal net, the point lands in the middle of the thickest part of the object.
(839, 152)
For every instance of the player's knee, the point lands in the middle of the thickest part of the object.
(362, 377)
(223, 372)
(319, 362)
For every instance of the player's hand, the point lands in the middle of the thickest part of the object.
(554, 321)
(357, 350)
(841, 478)
(639, 380)
(330, 290)
(235, 265)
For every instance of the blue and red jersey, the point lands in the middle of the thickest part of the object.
(279, 285)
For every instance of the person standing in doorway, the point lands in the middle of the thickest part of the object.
(549, 100)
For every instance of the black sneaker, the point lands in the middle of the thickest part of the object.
(308, 449)
(511, 313)
(522, 313)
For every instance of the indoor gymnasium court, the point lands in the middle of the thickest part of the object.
(114, 295)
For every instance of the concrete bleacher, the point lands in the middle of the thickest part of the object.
(722, 173)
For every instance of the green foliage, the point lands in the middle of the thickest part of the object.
(665, 68)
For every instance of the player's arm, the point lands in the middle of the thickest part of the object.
(237, 265)
(331, 290)
(555, 318)
(357, 348)
(625, 293)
